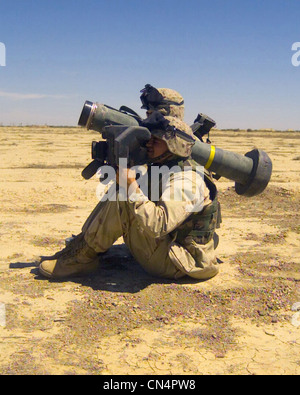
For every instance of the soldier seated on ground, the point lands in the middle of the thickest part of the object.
(170, 237)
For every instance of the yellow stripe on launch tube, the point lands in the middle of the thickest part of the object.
(211, 157)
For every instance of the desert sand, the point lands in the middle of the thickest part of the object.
(120, 320)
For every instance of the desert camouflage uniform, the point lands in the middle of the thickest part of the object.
(152, 231)
(159, 234)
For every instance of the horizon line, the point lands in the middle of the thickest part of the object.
(213, 129)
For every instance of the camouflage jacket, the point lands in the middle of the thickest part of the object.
(192, 213)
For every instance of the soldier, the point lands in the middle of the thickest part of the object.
(169, 237)
(170, 102)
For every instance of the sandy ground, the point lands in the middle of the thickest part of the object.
(122, 321)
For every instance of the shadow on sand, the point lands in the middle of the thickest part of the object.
(117, 272)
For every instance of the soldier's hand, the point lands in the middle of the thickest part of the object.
(125, 177)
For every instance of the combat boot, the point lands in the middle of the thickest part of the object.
(77, 258)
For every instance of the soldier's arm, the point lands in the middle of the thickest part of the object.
(175, 205)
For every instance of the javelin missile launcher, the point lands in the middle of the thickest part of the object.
(251, 172)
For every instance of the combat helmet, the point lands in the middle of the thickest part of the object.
(177, 134)
(167, 101)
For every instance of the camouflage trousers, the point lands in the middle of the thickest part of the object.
(160, 257)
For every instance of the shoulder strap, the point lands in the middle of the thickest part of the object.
(129, 111)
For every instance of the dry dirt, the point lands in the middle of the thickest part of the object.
(122, 321)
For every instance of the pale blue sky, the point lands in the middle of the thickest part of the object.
(229, 59)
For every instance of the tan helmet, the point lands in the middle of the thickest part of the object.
(167, 101)
(177, 134)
